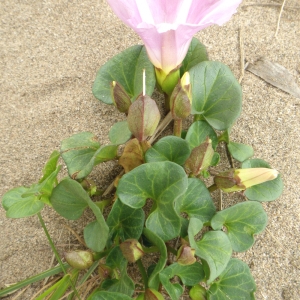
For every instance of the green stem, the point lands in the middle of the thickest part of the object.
(55, 251)
(167, 102)
(151, 249)
(212, 188)
(177, 127)
(172, 250)
(143, 272)
(33, 279)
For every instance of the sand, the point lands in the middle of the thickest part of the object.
(50, 52)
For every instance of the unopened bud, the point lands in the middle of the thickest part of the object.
(241, 179)
(120, 97)
(79, 259)
(132, 250)
(104, 271)
(152, 294)
(197, 292)
(181, 98)
(186, 255)
(143, 117)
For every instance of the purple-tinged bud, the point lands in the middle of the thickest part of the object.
(197, 292)
(104, 271)
(186, 255)
(132, 250)
(181, 98)
(79, 259)
(200, 158)
(143, 117)
(120, 97)
(152, 294)
(241, 179)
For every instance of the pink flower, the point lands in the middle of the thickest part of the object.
(167, 26)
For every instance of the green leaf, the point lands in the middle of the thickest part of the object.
(127, 69)
(198, 132)
(163, 182)
(267, 191)
(105, 295)
(242, 221)
(50, 166)
(196, 201)
(215, 160)
(124, 284)
(216, 93)
(94, 236)
(239, 151)
(214, 249)
(69, 199)
(169, 148)
(189, 275)
(81, 152)
(119, 133)
(154, 281)
(125, 221)
(235, 283)
(196, 54)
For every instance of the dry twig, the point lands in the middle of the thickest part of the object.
(279, 17)
(80, 240)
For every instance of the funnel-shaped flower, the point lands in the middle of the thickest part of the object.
(167, 26)
(241, 179)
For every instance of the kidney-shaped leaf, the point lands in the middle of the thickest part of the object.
(216, 93)
(267, 191)
(242, 221)
(189, 275)
(196, 201)
(169, 148)
(127, 69)
(235, 283)
(163, 182)
(214, 249)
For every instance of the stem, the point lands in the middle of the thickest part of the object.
(151, 249)
(177, 127)
(55, 251)
(172, 250)
(167, 102)
(212, 188)
(143, 272)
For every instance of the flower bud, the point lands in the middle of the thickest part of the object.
(152, 294)
(132, 250)
(104, 271)
(186, 255)
(120, 97)
(181, 98)
(143, 117)
(167, 81)
(197, 292)
(241, 179)
(79, 259)
(200, 158)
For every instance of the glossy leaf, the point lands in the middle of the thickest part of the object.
(267, 191)
(125, 221)
(105, 295)
(154, 281)
(124, 284)
(242, 221)
(235, 283)
(196, 54)
(198, 132)
(239, 151)
(189, 275)
(163, 182)
(216, 93)
(127, 69)
(50, 166)
(119, 133)
(81, 152)
(213, 248)
(169, 148)
(196, 202)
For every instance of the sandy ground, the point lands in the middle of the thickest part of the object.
(50, 52)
